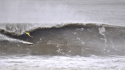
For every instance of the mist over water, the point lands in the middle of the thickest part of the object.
(58, 11)
(67, 34)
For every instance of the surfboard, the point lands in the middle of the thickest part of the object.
(25, 42)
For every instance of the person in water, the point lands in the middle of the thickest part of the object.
(27, 35)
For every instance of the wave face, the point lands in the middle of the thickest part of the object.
(67, 34)
(64, 40)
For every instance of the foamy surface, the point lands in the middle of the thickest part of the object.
(62, 63)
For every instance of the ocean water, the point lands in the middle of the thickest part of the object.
(67, 35)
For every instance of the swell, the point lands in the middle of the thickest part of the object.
(72, 39)
(18, 29)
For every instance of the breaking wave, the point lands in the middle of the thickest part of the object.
(21, 28)
(64, 39)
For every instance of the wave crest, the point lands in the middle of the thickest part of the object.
(21, 28)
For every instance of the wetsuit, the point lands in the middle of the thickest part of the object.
(26, 35)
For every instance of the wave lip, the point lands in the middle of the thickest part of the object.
(21, 28)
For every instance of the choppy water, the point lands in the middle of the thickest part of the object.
(67, 35)
(73, 39)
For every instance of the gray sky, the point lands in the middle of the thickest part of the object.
(58, 11)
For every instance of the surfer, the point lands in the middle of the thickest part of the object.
(27, 34)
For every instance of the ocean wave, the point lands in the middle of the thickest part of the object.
(70, 39)
(20, 28)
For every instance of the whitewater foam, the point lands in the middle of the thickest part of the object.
(63, 63)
